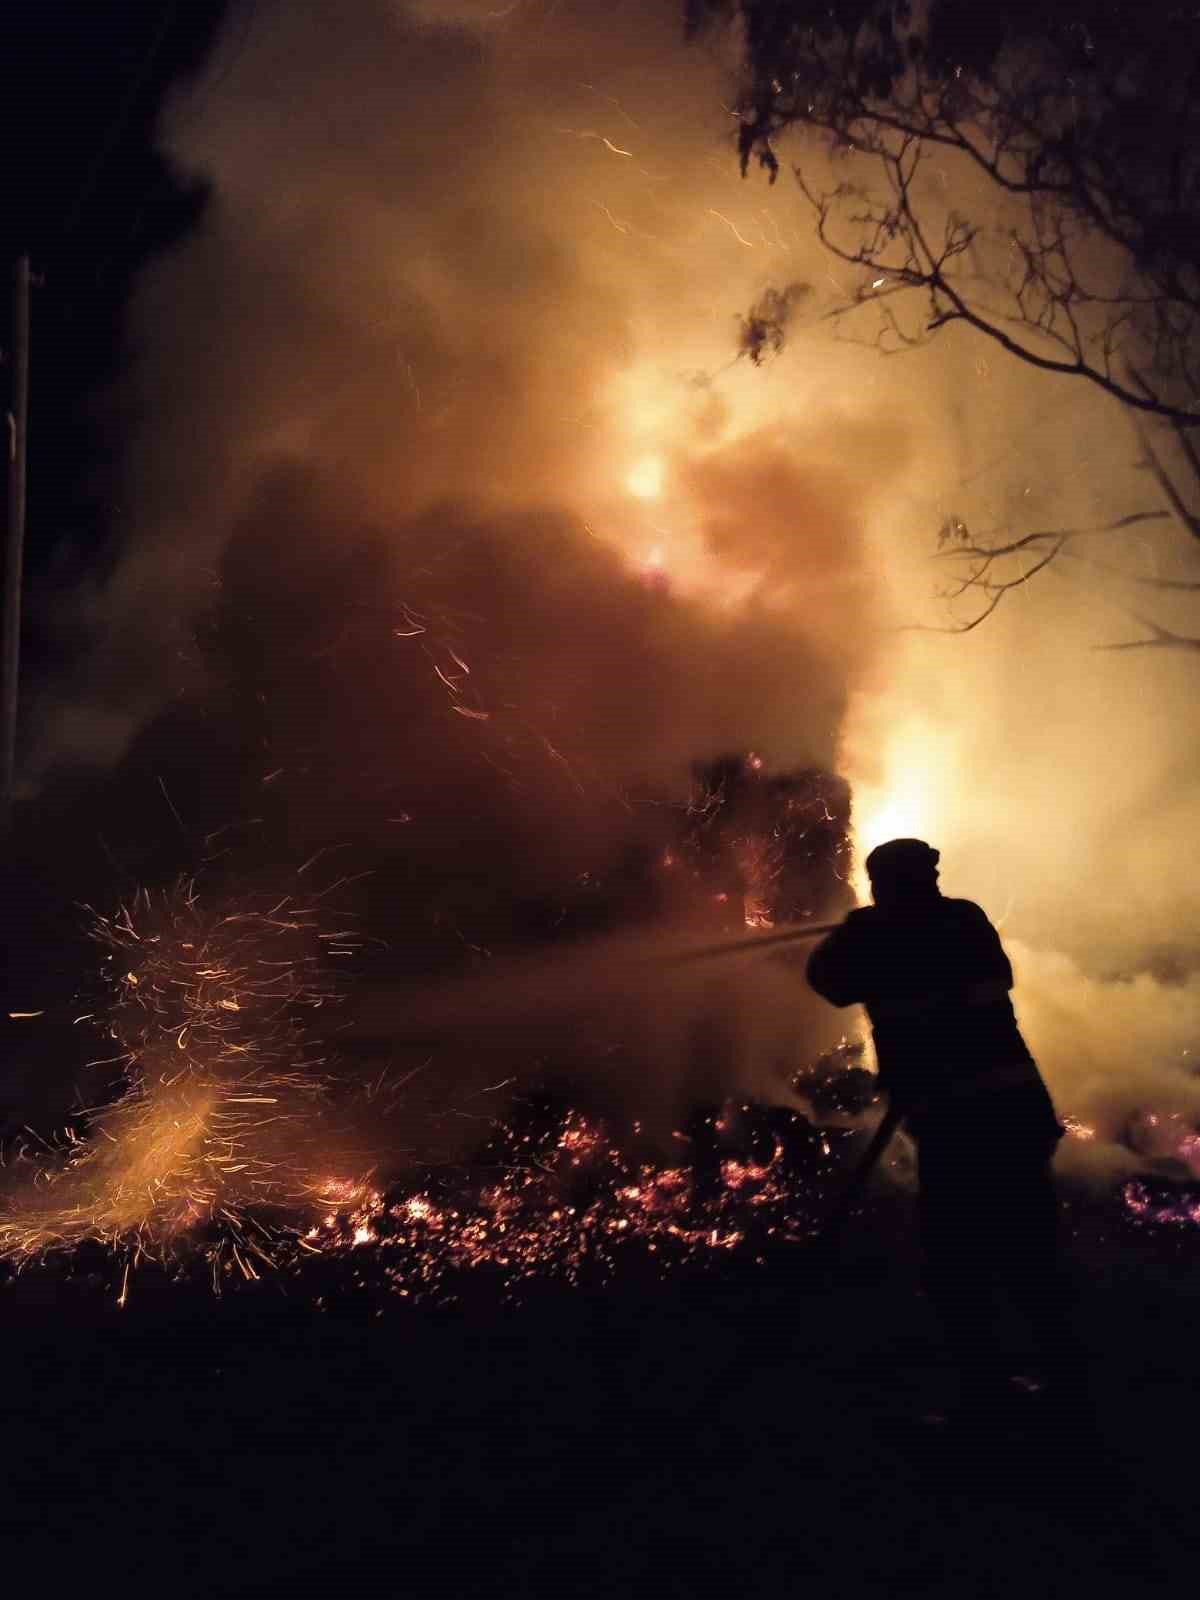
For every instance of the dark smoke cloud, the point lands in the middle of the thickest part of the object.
(386, 374)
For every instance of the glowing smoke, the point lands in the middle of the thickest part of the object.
(446, 377)
(435, 316)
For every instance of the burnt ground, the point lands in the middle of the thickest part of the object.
(737, 1433)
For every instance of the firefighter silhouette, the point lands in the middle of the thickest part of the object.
(935, 980)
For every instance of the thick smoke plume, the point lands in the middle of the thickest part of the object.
(461, 527)
(459, 532)
(442, 342)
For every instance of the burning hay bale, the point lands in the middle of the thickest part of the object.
(766, 847)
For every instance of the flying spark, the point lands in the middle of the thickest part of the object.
(741, 239)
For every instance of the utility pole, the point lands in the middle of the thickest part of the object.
(16, 427)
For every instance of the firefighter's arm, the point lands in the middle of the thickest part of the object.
(844, 969)
(834, 968)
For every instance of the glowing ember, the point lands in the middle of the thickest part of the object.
(542, 1217)
(1182, 1209)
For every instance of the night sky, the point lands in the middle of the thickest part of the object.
(91, 199)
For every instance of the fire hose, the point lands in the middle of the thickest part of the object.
(733, 947)
(831, 1228)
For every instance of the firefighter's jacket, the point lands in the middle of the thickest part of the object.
(935, 981)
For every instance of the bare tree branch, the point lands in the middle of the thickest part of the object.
(1078, 128)
(1154, 463)
(1062, 535)
(1160, 639)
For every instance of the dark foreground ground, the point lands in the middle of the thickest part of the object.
(734, 1436)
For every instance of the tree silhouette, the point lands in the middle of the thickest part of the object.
(1072, 135)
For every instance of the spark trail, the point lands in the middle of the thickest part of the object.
(220, 1103)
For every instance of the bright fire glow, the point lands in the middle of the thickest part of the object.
(645, 480)
(907, 799)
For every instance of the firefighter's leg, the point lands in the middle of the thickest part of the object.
(958, 1277)
(1039, 1284)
